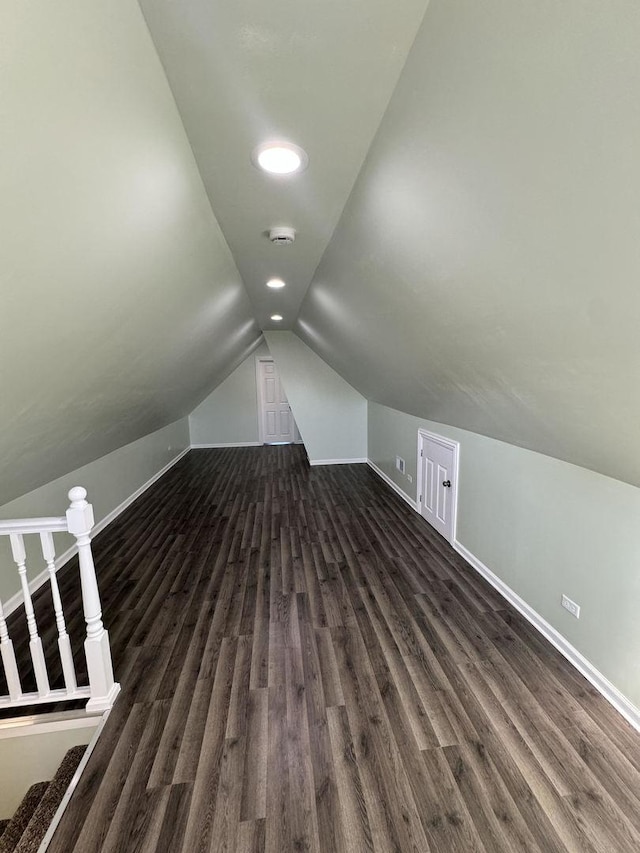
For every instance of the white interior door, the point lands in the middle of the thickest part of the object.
(277, 423)
(437, 464)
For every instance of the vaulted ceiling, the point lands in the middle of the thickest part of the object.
(485, 270)
(121, 301)
(468, 224)
(319, 74)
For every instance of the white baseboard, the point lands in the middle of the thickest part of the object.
(230, 444)
(314, 462)
(128, 501)
(611, 693)
(396, 488)
(16, 600)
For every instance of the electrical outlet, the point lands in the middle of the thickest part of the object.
(410, 478)
(571, 606)
(400, 464)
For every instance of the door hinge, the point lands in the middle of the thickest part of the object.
(420, 498)
(422, 453)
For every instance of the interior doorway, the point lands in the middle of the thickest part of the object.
(276, 424)
(438, 481)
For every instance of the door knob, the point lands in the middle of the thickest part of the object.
(446, 484)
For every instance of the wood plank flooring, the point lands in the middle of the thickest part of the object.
(307, 666)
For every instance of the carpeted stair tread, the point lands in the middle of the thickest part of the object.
(18, 823)
(48, 805)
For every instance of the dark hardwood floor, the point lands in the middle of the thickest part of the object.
(307, 666)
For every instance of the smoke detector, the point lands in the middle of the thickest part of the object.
(282, 235)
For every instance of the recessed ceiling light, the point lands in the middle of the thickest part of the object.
(275, 283)
(280, 158)
(276, 317)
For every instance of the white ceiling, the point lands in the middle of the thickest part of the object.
(319, 74)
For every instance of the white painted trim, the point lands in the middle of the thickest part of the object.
(103, 703)
(450, 444)
(314, 462)
(259, 360)
(59, 695)
(111, 516)
(73, 784)
(46, 723)
(606, 689)
(396, 488)
(16, 600)
(33, 525)
(226, 444)
(611, 693)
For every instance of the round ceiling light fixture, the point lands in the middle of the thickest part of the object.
(280, 158)
(276, 318)
(275, 283)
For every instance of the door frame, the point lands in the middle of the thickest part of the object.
(259, 360)
(296, 433)
(425, 435)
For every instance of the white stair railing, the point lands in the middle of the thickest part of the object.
(102, 689)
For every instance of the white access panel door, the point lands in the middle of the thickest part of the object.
(437, 464)
(278, 425)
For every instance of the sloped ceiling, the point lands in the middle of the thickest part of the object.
(319, 74)
(121, 302)
(485, 271)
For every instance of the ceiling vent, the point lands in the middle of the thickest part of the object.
(282, 236)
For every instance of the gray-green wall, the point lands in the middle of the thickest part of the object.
(109, 481)
(229, 415)
(122, 305)
(485, 269)
(331, 415)
(545, 528)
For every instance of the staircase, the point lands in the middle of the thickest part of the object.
(26, 829)
(16, 669)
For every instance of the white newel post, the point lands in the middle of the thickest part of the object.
(98, 652)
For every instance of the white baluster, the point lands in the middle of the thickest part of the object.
(103, 688)
(9, 660)
(35, 643)
(64, 643)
